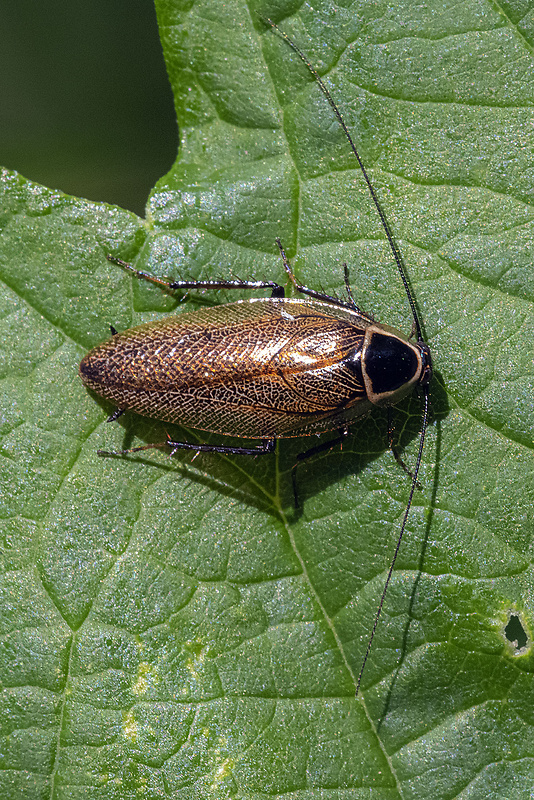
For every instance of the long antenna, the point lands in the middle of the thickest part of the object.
(399, 538)
(402, 271)
(385, 224)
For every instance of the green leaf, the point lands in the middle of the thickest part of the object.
(174, 627)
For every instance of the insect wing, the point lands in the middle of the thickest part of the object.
(257, 368)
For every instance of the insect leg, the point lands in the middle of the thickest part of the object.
(319, 448)
(267, 446)
(276, 289)
(304, 289)
(348, 289)
(115, 414)
(396, 455)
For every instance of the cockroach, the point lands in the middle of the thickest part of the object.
(267, 368)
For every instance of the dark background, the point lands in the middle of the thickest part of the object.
(85, 104)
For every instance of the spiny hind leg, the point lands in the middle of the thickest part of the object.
(276, 289)
(267, 446)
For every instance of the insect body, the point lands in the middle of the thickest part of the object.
(263, 368)
(267, 368)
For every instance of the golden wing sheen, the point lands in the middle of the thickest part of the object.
(258, 368)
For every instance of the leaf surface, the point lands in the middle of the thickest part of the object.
(174, 627)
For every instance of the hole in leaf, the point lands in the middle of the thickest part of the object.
(515, 632)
